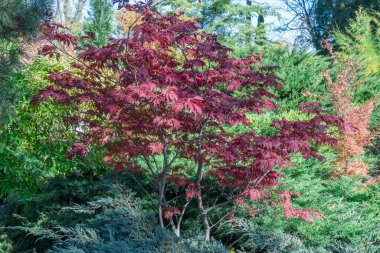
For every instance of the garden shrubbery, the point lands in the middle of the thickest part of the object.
(179, 144)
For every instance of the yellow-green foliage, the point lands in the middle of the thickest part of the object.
(362, 40)
(35, 139)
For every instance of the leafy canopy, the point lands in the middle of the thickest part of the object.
(160, 100)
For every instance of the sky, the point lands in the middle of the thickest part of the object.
(275, 22)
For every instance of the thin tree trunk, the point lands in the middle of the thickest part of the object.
(249, 24)
(58, 14)
(79, 11)
(161, 187)
(67, 11)
(204, 217)
(160, 218)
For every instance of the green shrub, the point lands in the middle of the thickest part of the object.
(350, 208)
(88, 208)
(121, 225)
(300, 71)
(34, 140)
(5, 244)
(43, 208)
(253, 238)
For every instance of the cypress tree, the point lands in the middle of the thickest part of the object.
(260, 37)
(100, 22)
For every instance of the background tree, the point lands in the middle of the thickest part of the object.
(230, 20)
(316, 19)
(260, 36)
(70, 12)
(19, 21)
(303, 21)
(361, 40)
(341, 12)
(99, 22)
(249, 24)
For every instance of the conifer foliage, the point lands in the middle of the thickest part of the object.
(100, 23)
(161, 101)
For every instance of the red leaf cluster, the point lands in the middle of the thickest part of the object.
(170, 211)
(77, 149)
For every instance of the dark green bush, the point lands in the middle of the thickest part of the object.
(121, 225)
(5, 244)
(111, 220)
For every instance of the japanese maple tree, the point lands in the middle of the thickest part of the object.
(351, 144)
(159, 101)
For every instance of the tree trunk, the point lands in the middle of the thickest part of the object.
(249, 25)
(58, 14)
(161, 188)
(160, 218)
(206, 224)
(177, 231)
(79, 11)
(67, 11)
(204, 218)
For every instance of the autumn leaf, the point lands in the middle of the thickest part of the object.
(170, 211)
(77, 149)
(156, 147)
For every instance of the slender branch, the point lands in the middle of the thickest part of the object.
(221, 219)
(140, 185)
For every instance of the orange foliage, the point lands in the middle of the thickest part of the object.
(351, 142)
(127, 19)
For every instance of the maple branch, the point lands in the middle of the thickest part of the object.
(227, 202)
(221, 219)
(183, 213)
(140, 185)
(192, 71)
(174, 157)
(147, 162)
(138, 17)
(63, 50)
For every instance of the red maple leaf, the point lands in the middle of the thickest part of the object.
(170, 211)
(156, 147)
(195, 105)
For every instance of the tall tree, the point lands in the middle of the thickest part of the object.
(316, 19)
(231, 20)
(70, 12)
(19, 21)
(99, 22)
(303, 20)
(260, 37)
(249, 24)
